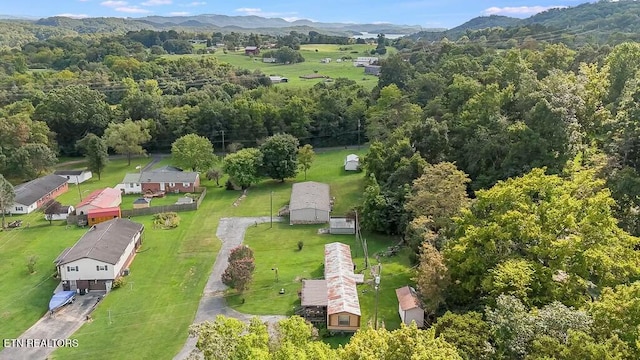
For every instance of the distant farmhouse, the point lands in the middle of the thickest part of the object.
(35, 193)
(251, 51)
(75, 176)
(278, 79)
(333, 301)
(372, 70)
(310, 203)
(364, 61)
(102, 255)
(167, 179)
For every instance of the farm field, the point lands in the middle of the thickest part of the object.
(151, 314)
(311, 64)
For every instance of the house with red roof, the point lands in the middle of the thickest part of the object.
(101, 205)
(409, 306)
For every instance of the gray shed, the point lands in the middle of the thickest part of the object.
(310, 203)
(342, 226)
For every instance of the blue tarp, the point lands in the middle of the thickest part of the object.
(60, 298)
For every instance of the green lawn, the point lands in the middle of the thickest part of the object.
(277, 248)
(311, 64)
(150, 316)
(24, 297)
(168, 199)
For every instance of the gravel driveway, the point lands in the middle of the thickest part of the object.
(231, 233)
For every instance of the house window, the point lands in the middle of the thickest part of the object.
(72, 268)
(130, 185)
(186, 184)
(343, 320)
(18, 208)
(172, 184)
(101, 268)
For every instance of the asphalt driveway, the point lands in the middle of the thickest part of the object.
(51, 331)
(231, 233)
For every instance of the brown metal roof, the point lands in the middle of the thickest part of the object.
(310, 195)
(342, 293)
(104, 242)
(314, 293)
(407, 298)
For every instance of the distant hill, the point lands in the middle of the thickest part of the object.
(600, 20)
(223, 23)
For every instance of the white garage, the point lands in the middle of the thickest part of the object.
(310, 203)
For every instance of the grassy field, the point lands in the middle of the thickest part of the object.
(311, 64)
(151, 314)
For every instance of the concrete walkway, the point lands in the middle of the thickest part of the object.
(231, 233)
(54, 329)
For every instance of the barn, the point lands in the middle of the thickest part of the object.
(310, 203)
(409, 306)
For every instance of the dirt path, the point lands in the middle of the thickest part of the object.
(231, 233)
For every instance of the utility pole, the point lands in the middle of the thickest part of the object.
(271, 213)
(358, 134)
(224, 151)
(377, 280)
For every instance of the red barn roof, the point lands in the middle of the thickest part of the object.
(102, 198)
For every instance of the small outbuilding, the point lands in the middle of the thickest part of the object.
(251, 50)
(409, 306)
(310, 203)
(342, 226)
(352, 162)
(141, 203)
(62, 213)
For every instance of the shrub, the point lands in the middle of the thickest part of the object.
(31, 264)
(167, 220)
(300, 245)
(239, 272)
(118, 283)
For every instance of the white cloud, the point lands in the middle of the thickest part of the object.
(196, 3)
(179, 13)
(519, 10)
(157, 2)
(132, 10)
(288, 16)
(83, 0)
(74, 16)
(112, 3)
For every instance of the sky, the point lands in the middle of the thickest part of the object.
(426, 13)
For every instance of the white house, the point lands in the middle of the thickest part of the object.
(409, 306)
(100, 256)
(310, 203)
(75, 176)
(278, 79)
(352, 162)
(62, 214)
(35, 193)
(365, 60)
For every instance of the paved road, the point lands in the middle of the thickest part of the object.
(60, 326)
(231, 233)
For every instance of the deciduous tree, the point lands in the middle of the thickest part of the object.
(280, 156)
(95, 151)
(243, 166)
(127, 138)
(306, 155)
(51, 208)
(7, 195)
(193, 152)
